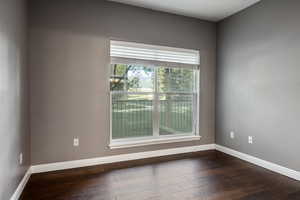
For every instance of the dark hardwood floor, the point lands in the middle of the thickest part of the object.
(209, 175)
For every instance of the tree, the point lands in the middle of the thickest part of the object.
(175, 79)
(120, 79)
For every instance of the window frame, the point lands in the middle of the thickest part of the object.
(156, 138)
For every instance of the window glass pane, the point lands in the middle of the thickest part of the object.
(176, 114)
(176, 79)
(131, 78)
(131, 115)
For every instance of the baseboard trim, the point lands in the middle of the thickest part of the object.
(21, 186)
(118, 158)
(262, 163)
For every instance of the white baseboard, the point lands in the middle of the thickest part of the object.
(21, 186)
(117, 158)
(262, 163)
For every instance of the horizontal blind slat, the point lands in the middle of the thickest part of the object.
(150, 57)
(124, 48)
(154, 63)
(133, 52)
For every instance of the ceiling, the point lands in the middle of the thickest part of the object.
(212, 10)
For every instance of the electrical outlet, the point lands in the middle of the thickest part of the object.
(76, 142)
(21, 158)
(250, 140)
(232, 135)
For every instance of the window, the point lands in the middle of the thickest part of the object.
(154, 94)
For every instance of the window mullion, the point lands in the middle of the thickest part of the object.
(196, 104)
(156, 105)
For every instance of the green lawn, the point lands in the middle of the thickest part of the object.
(133, 118)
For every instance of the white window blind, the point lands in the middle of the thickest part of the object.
(137, 53)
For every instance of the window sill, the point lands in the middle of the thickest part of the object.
(144, 142)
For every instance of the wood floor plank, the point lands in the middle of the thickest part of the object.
(209, 175)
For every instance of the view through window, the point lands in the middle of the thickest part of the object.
(149, 101)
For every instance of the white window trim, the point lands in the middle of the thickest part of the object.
(153, 140)
(156, 138)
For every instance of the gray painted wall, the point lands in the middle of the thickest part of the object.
(69, 66)
(14, 131)
(258, 81)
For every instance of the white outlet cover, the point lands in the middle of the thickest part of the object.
(231, 134)
(21, 158)
(250, 140)
(76, 142)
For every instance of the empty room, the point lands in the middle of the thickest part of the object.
(149, 99)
